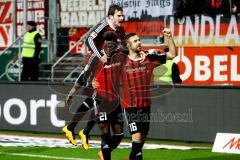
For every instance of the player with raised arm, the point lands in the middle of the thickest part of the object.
(136, 75)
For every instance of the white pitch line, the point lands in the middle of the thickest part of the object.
(30, 141)
(41, 156)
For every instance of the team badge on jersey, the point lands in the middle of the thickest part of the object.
(94, 34)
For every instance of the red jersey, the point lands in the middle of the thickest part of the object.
(136, 76)
(109, 82)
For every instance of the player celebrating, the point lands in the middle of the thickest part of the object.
(105, 92)
(136, 76)
(113, 22)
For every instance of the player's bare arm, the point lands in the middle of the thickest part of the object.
(170, 43)
(75, 87)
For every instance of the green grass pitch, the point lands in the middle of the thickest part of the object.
(45, 153)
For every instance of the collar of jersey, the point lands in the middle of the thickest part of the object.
(139, 59)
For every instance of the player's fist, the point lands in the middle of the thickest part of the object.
(167, 32)
(68, 100)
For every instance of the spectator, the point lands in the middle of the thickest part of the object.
(211, 7)
(171, 73)
(190, 7)
(218, 7)
(30, 53)
(235, 7)
(168, 72)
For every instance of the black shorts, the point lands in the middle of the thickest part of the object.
(138, 120)
(113, 115)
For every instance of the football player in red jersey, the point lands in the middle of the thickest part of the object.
(136, 75)
(105, 92)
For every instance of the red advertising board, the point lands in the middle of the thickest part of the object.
(209, 65)
(6, 26)
(208, 47)
(35, 12)
(145, 28)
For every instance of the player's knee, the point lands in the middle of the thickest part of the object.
(137, 137)
(118, 129)
(104, 127)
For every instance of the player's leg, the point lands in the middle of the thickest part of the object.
(143, 127)
(137, 144)
(84, 78)
(134, 123)
(84, 133)
(104, 126)
(69, 129)
(145, 124)
(116, 118)
(85, 106)
(105, 153)
(117, 136)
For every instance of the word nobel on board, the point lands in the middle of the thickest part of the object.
(35, 12)
(227, 143)
(81, 13)
(6, 25)
(209, 65)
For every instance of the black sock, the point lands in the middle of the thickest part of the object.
(90, 124)
(115, 141)
(85, 106)
(105, 146)
(136, 153)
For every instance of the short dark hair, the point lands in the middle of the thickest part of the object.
(113, 8)
(110, 36)
(129, 35)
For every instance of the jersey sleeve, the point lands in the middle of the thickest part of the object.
(96, 36)
(89, 72)
(157, 57)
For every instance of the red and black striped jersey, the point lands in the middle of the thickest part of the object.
(136, 77)
(108, 85)
(95, 40)
(109, 81)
